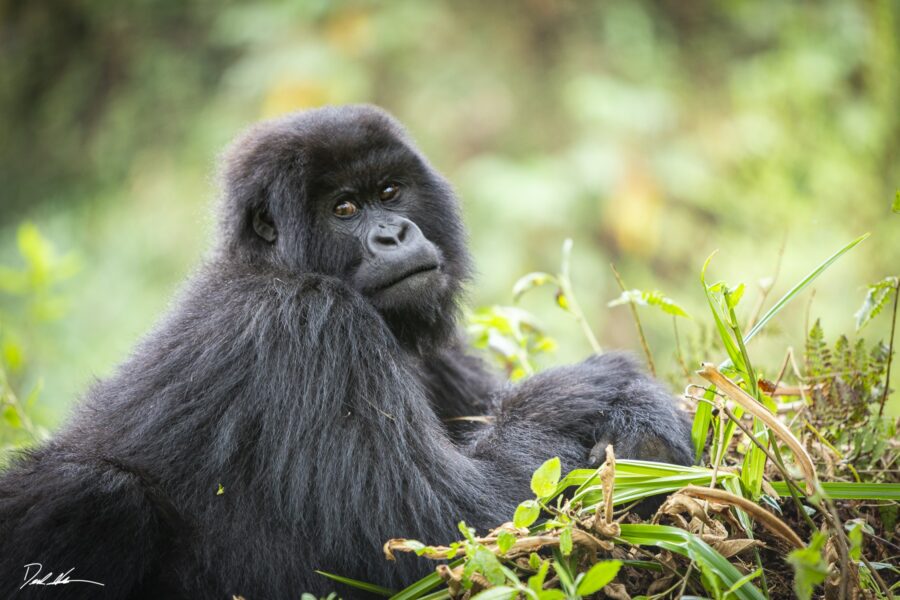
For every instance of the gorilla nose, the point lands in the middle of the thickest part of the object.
(385, 237)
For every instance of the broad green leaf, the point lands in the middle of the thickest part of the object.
(565, 540)
(529, 282)
(810, 567)
(526, 513)
(486, 563)
(896, 205)
(505, 541)
(545, 479)
(598, 576)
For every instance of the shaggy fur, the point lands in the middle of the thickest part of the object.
(320, 415)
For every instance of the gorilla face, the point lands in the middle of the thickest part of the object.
(343, 192)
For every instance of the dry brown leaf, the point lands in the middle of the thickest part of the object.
(749, 404)
(765, 518)
(616, 591)
(729, 548)
(660, 585)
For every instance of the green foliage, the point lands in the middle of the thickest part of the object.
(546, 478)
(652, 298)
(30, 297)
(810, 568)
(847, 398)
(511, 335)
(526, 513)
(877, 297)
(597, 576)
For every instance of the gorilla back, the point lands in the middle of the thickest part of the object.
(309, 367)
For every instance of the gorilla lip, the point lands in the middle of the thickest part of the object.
(426, 268)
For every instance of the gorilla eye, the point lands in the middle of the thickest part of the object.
(389, 192)
(345, 209)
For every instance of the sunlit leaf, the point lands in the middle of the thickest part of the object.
(598, 576)
(505, 541)
(565, 540)
(546, 477)
(526, 513)
(733, 296)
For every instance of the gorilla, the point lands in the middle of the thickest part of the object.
(294, 408)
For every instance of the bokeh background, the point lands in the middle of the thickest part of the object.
(652, 133)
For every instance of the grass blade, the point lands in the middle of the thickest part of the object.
(684, 543)
(360, 585)
(786, 299)
(418, 590)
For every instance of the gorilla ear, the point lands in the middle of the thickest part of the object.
(263, 225)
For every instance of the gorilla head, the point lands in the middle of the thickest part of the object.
(344, 192)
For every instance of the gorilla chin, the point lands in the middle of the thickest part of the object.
(425, 286)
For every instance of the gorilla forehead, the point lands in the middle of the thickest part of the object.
(325, 147)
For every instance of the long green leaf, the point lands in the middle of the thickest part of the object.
(684, 543)
(786, 299)
(360, 585)
(417, 590)
(840, 490)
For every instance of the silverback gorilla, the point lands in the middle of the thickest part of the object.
(310, 367)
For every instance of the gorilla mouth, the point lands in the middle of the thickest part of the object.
(426, 268)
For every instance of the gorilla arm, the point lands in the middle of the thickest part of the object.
(81, 520)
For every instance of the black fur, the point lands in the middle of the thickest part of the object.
(321, 415)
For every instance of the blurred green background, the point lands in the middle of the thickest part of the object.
(652, 133)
